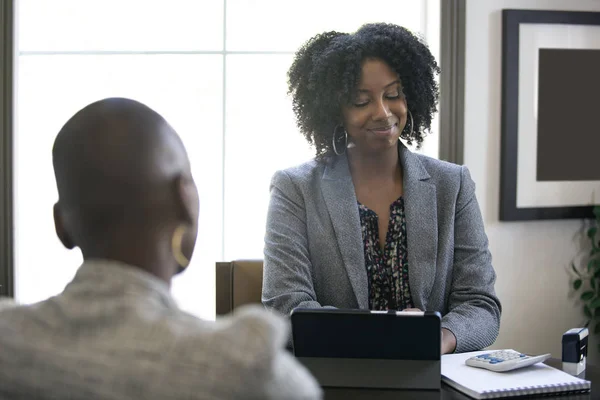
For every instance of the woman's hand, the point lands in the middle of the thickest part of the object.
(448, 341)
(448, 338)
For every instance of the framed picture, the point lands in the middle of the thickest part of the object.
(550, 148)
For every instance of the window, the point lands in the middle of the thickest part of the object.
(214, 69)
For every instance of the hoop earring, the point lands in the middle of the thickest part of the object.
(411, 123)
(335, 149)
(176, 242)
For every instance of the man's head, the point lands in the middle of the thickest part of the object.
(125, 187)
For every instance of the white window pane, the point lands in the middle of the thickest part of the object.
(120, 25)
(277, 25)
(261, 137)
(432, 26)
(185, 89)
(431, 143)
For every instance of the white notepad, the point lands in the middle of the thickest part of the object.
(483, 384)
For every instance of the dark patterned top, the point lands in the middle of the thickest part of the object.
(387, 272)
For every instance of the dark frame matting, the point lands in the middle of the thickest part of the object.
(511, 19)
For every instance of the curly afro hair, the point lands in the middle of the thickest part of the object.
(327, 69)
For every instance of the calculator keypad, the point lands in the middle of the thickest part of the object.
(500, 356)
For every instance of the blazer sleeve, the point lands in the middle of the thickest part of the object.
(473, 308)
(287, 273)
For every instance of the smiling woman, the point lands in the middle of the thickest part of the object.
(369, 224)
(323, 80)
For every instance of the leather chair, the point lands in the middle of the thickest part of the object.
(238, 282)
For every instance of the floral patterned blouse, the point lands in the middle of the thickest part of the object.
(388, 271)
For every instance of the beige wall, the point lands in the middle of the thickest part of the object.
(530, 257)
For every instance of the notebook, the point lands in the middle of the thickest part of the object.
(480, 383)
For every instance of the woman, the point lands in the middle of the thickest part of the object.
(369, 224)
(128, 200)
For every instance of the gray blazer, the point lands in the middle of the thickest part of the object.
(314, 253)
(116, 333)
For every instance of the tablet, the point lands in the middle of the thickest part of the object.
(362, 348)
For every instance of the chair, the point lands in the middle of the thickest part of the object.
(238, 282)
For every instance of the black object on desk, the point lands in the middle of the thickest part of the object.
(575, 350)
(369, 349)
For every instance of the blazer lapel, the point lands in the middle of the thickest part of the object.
(339, 195)
(420, 207)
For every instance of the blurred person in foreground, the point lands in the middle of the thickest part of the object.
(127, 199)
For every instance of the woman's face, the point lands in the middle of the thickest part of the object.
(377, 113)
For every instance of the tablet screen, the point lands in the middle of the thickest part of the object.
(363, 334)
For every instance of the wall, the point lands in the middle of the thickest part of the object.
(531, 258)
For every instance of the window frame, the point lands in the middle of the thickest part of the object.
(452, 80)
(7, 57)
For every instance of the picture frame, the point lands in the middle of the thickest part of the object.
(528, 38)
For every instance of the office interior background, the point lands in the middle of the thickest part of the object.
(216, 69)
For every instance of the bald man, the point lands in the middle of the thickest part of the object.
(127, 199)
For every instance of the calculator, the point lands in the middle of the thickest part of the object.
(504, 360)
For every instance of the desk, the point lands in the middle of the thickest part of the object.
(447, 393)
